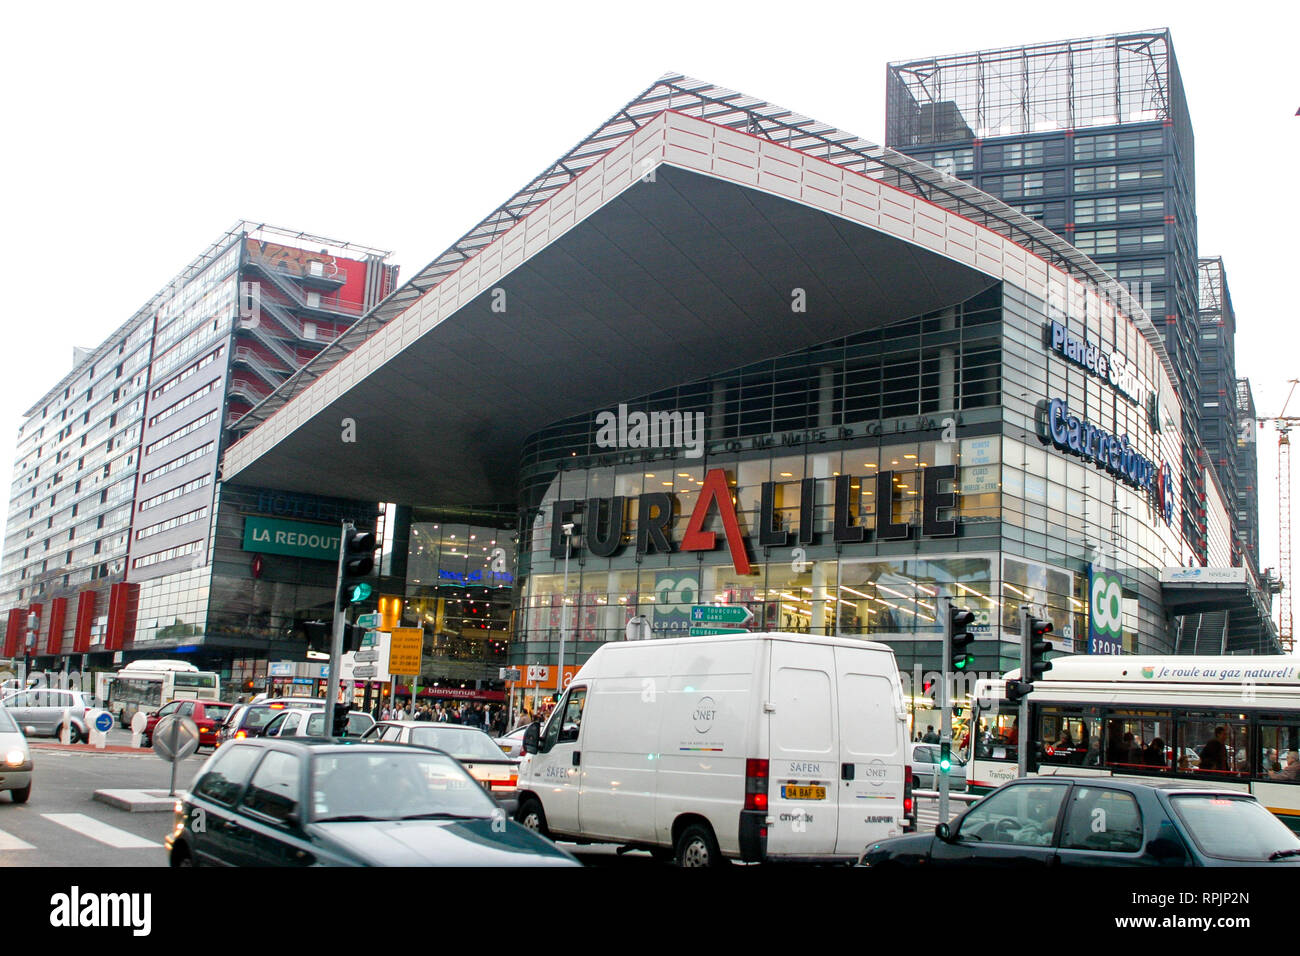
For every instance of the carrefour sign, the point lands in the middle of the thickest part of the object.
(1105, 613)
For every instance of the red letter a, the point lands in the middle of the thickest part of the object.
(696, 538)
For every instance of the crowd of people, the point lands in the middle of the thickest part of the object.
(490, 718)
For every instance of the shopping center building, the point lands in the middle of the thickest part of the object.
(721, 352)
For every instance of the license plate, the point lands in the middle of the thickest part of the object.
(803, 793)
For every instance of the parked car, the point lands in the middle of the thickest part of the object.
(246, 720)
(42, 711)
(207, 714)
(925, 768)
(1100, 821)
(15, 759)
(316, 801)
(300, 722)
(766, 746)
(476, 751)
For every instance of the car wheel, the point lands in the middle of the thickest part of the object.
(74, 735)
(21, 796)
(531, 816)
(697, 847)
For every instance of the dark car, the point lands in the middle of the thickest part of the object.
(208, 715)
(308, 801)
(1100, 821)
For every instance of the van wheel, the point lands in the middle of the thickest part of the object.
(532, 817)
(20, 796)
(697, 847)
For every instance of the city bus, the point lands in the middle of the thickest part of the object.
(144, 686)
(1233, 721)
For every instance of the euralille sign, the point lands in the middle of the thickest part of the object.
(604, 522)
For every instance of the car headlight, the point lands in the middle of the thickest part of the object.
(15, 758)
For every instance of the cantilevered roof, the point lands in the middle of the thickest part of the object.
(663, 256)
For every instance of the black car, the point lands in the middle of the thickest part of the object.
(315, 801)
(1100, 821)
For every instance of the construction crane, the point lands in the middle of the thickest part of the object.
(1284, 423)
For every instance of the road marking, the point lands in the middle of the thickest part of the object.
(110, 835)
(10, 842)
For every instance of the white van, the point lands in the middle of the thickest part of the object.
(749, 746)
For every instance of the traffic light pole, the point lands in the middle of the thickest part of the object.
(945, 706)
(1026, 674)
(336, 640)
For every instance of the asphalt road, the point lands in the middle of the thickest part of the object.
(61, 825)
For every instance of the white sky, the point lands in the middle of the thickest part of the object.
(135, 134)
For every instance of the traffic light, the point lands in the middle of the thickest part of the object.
(945, 756)
(1016, 689)
(319, 635)
(959, 621)
(358, 562)
(341, 719)
(1038, 648)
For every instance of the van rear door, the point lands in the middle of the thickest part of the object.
(803, 751)
(870, 788)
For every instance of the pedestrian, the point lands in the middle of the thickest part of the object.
(533, 735)
(1214, 755)
(930, 736)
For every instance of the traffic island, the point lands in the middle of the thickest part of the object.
(140, 801)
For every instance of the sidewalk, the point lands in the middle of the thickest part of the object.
(57, 747)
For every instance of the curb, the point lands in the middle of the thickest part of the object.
(139, 801)
(86, 749)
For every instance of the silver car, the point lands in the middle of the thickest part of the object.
(925, 768)
(42, 709)
(15, 760)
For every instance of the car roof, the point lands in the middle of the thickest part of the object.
(441, 725)
(1128, 783)
(332, 743)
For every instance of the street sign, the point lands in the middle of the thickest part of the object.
(710, 631)
(721, 614)
(510, 673)
(370, 639)
(366, 655)
(103, 721)
(404, 651)
(370, 620)
(363, 671)
(175, 738)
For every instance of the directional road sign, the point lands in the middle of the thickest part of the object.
(368, 620)
(363, 671)
(103, 721)
(710, 631)
(721, 614)
(366, 655)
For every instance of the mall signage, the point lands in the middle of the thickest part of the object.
(1110, 367)
(299, 539)
(604, 521)
(1112, 453)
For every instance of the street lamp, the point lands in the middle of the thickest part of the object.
(564, 611)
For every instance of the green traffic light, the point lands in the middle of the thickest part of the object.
(360, 592)
(963, 662)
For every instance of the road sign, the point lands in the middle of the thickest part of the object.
(370, 620)
(710, 631)
(366, 655)
(103, 721)
(175, 738)
(370, 639)
(721, 614)
(404, 650)
(510, 674)
(363, 671)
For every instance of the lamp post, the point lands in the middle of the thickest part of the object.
(564, 611)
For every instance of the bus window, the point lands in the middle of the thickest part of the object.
(1065, 735)
(1213, 744)
(1138, 740)
(1277, 749)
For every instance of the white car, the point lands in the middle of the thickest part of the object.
(304, 722)
(512, 744)
(15, 760)
(477, 752)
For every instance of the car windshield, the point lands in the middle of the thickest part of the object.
(397, 784)
(1234, 828)
(217, 712)
(461, 744)
(7, 725)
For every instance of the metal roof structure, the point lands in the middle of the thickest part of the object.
(724, 107)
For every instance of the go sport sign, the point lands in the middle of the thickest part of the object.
(1105, 613)
(1112, 453)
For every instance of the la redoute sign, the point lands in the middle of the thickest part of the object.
(299, 539)
(604, 524)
